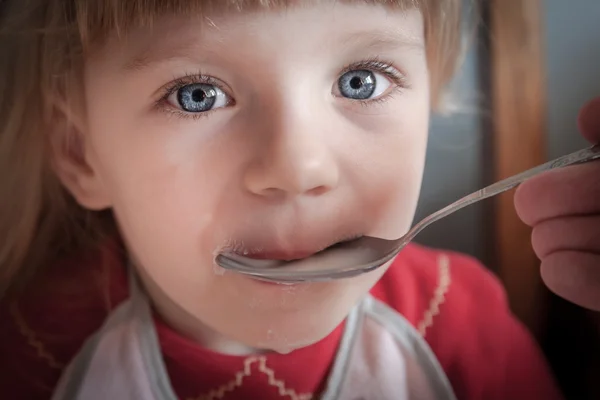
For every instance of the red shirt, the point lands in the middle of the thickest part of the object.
(458, 306)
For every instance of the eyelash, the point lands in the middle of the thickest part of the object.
(188, 79)
(386, 68)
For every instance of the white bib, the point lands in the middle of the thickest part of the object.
(381, 357)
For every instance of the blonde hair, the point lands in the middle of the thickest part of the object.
(43, 44)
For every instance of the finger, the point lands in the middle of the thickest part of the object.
(574, 276)
(589, 121)
(567, 234)
(568, 191)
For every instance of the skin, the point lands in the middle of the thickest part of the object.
(563, 207)
(289, 165)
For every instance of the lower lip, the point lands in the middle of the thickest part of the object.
(291, 256)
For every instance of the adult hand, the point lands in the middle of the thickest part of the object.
(563, 207)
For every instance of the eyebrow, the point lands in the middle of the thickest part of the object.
(379, 40)
(382, 40)
(165, 52)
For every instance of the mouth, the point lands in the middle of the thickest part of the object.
(290, 253)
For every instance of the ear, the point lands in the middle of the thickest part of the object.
(70, 158)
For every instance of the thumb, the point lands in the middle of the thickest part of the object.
(589, 121)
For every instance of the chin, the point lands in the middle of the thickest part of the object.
(284, 318)
(288, 336)
(307, 322)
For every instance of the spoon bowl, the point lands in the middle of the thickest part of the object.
(345, 260)
(368, 253)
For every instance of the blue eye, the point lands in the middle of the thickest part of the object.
(199, 98)
(362, 84)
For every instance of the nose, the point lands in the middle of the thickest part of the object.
(292, 160)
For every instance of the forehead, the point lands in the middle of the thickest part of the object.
(97, 18)
(171, 35)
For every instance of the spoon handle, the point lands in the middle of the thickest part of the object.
(578, 157)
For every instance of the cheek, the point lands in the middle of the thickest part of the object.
(400, 182)
(169, 187)
(390, 168)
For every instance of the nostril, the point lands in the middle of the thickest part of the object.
(272, 192)
(317, 191)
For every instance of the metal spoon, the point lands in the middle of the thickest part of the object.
(369, 253)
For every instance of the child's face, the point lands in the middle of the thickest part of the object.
(277, 132)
